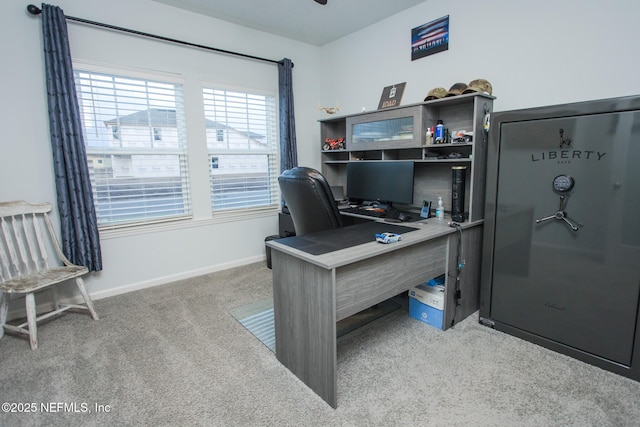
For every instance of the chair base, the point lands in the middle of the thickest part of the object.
(29, 327)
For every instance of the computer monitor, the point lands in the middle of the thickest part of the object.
(382, 181)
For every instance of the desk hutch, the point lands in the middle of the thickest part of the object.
(399, 133)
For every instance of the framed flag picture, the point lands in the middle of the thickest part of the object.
(430, 38)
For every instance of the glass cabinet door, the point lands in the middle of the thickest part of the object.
(383, 130)
(397, 128)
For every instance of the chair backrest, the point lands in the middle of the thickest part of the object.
(309, 199)
(27, 240)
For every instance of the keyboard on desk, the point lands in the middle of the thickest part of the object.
(366, 210)
(392, 215)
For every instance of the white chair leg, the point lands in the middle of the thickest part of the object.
(55, 297)
(4, 309)
(86, 297)
(31, 320)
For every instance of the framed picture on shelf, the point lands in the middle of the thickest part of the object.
(391, 96)
(430, 38)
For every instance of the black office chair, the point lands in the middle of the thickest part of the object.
(309, 199)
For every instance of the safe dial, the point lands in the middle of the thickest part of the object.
(563, 183)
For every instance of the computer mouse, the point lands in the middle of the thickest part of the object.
(404, 217)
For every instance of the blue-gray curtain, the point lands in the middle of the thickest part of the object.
(80, 238)
(288, 146)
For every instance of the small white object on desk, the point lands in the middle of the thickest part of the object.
(388, 237)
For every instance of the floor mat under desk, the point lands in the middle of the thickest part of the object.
(341, 238)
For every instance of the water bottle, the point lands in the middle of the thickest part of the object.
(439, 132)
(440, 209)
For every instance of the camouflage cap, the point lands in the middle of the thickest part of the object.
(457, 89)
(436, 93)
(479, 85)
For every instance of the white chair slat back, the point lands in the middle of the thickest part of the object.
(12, 250)
(6, 257)
(24, 246)
(40, 253)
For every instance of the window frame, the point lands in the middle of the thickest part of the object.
(182, 151)
(272, 151)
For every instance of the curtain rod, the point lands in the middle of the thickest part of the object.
(34, 10)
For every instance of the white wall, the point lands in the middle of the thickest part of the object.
(165, 253)
(534, 53)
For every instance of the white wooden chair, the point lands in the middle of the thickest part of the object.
(31, 260)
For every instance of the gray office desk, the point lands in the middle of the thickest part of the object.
(312, 292)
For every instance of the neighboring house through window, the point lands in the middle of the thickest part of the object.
(241, 140)
(136, 147)
(135, 135)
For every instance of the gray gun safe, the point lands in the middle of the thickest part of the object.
(561, 249)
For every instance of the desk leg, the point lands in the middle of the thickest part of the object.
(305, 322)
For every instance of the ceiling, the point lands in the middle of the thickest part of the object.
(302, 20)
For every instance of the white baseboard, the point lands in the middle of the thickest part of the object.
(172, 278)
(17, 311)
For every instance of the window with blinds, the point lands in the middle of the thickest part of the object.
(241, 141)
(135, 138)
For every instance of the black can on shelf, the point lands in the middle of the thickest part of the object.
(458, 178)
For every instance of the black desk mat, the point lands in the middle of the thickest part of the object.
(335, 239)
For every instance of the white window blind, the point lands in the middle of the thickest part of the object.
(135, 140)
(241, 141)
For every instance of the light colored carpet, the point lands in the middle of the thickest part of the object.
(172, 355)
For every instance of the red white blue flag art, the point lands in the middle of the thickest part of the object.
(430, 38)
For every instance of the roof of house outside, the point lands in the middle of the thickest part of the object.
(158, 117)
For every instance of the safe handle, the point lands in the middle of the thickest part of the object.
(561, 215)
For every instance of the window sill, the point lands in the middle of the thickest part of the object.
(184, 223)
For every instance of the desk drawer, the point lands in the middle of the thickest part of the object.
(373, 280)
